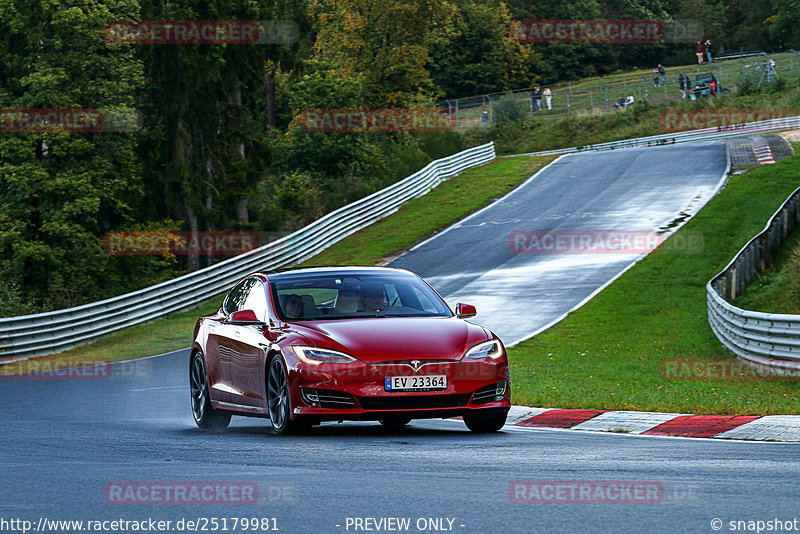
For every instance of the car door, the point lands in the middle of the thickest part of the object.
(245, 350)
(218, 347)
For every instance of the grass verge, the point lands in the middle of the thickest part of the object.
(609, 354)
(417, 219)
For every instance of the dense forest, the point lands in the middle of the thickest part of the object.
(219, 144)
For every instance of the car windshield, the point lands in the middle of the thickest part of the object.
(353, 296)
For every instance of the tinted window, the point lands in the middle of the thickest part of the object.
(352, 296)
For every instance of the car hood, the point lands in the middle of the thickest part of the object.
(395, 338)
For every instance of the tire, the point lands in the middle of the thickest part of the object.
(484, 423)
(395, 422)
(205, 416)
(278, 400)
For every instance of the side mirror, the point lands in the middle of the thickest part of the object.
(465, 310)
(245, 317)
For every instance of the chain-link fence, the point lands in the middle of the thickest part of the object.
(602, 95)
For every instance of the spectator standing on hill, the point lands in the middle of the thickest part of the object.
(536, 99)
(655, 77)
(707, 47)
(683, 81)
(698, 50)
(548, 97)
(663, 72)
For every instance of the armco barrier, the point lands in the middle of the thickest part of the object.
(44, 333)
(689, 136)
(769, 340)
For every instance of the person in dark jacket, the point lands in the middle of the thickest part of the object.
(663, 72)
(536, 99)
(707, 47)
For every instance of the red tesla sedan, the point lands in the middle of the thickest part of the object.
(347, 343)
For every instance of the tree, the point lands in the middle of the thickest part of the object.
(60, 191)
(481, 57)
(388, 42)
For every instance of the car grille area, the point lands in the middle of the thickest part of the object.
(417, 402)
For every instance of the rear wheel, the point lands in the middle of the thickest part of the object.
(204, 415)
(486, 421)
(278, 400)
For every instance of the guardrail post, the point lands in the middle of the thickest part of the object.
(569, 104)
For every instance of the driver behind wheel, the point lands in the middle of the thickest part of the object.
(373, 297)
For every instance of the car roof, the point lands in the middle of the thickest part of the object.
(352, 270)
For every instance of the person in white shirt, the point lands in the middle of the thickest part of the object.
(548, 97)
(628, 101)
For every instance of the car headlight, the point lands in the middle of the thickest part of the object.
(316, 356)
(487, 349)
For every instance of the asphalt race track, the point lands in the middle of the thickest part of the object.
(63, 441)
(632, 190)
(68, 441)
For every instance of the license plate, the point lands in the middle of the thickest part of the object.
(415, 383)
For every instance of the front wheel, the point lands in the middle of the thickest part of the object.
(483, 423)
(204, 415)
(278, 400)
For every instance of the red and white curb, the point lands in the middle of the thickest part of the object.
(743, 427)
(762, 150)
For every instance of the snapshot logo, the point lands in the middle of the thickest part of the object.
(201, 32)
(180, 493)
(730, 369)
(375, 120)
(583, 242)
(85, 120)
(601, 492)
(180, 243)
(726, 119)
(604, 31)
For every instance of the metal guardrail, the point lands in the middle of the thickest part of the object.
(45, 333)
(702, 134)
(767, 340)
